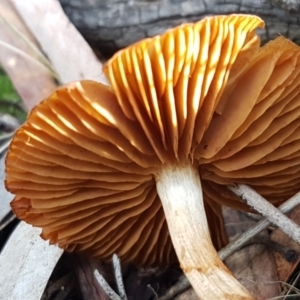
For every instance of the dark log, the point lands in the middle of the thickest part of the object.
(113, 24)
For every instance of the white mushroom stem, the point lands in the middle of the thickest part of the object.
(180, 191)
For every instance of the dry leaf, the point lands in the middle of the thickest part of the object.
(31, 80)
(69, 53)
(285, 268)
(26, 263)
(253, 265)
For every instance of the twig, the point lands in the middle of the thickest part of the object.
(265, 208)
(106, 287)
(119, 277)
(254, 230)
(287, 253)
(180, 286)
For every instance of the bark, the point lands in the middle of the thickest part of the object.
(111, 25)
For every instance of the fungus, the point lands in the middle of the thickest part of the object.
(117, 169)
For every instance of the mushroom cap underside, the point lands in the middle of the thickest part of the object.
(83, 165)
(68, 170)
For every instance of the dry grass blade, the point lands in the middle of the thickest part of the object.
(51, 27)
(21, 72)
(40, 56)
(29, 58)
(292, 288)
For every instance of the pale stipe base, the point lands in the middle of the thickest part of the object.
(180, 191)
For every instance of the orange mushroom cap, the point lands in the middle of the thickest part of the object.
(71, 177)
(83, 165)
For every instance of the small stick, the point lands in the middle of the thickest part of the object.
(265, 208)
(238, 242)
(106, 287)
(180, 286)
(118, 276)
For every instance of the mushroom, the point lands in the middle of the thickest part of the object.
(117, 169)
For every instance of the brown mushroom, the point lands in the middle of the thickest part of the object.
(99, 168)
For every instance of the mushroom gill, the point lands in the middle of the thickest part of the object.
(101, 169)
